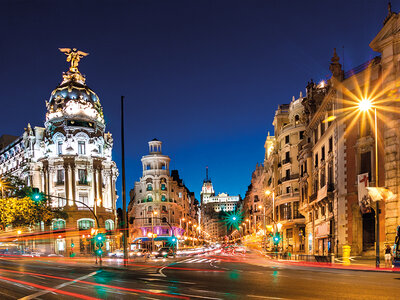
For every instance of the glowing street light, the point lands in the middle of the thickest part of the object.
(365, 105)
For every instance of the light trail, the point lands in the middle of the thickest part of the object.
(42, 287)
(176, 296)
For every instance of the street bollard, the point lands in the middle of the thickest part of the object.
(346, 255)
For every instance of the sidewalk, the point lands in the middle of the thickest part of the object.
(356, 263)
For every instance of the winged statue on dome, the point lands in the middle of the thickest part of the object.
(73, 57)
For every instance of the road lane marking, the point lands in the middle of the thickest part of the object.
(41, 293)
(46, 288)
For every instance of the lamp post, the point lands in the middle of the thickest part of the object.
(366, 105)
(154, 213)
(264, 227)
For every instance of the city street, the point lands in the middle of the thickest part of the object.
(212, 276)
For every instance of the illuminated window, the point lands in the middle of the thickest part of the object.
(58, 224)
(109, 225)
(85, 224)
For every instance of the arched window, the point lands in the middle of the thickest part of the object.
(149, 187)
(296, 119)
(150, 209)
(85, 224)
(163, 198)
(149, 198)
(58, 224)
(109, 225)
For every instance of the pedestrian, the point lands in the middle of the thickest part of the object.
(388, 257)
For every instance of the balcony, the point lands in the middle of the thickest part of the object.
(291, 177)
(313, 197)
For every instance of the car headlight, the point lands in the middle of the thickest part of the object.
(139, 254)
(164, 253)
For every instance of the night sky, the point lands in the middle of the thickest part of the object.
(204, 77)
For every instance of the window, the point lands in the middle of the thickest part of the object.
(301, 134)
(287, 174)
(330, 147)
(289, 233)
(296, 119)
(83, 197)
(163, 198)
(287, 139)
(61, 200)
(59, 147)
(323, 211)
(109, 225)
(58, 224)
(287, 189)
(296, 213)
(287, 157)
(149, 198)
(322, 129)
(85, 224)
(82, 176)
(163, 187)
(316, 160)
(149, 187)
(365, 164)
(323, 153)
(322, 180)
(60, 176)
(100, 149)
(81, 148)
(316, 213)
(315, 135)
(305, 167)
(148, 167)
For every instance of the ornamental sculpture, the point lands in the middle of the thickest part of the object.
(73, 56)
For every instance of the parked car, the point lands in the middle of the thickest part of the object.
(117, 253)
(164, 252)
(139, 253)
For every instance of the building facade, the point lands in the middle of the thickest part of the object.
(69, 160)
(213, 209)
(160, 203)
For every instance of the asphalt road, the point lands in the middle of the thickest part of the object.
(200, 277)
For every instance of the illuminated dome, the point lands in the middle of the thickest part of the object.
(74, 99)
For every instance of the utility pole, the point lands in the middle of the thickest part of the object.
(124, 223)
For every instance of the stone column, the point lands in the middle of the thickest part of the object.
(66, 182)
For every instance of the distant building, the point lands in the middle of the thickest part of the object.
(160, 202)
(213, 208)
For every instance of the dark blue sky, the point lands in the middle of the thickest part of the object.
(203, 76)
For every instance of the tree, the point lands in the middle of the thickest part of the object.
(18, 209)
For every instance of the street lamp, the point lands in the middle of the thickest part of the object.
(264, 226)
(154, 213)
(364, 106)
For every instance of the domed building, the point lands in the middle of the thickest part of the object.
(160, 203)
(70, 159)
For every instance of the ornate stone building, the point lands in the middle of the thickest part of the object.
(213, 208)
(160, 202)
(70, 160)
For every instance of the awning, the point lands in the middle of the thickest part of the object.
(147, 239)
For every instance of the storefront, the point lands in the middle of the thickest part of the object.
(322, 232)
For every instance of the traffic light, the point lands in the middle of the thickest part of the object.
(99, 241)
(36, 195)
(276, 238)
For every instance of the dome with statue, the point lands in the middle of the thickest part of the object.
(73, 99)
